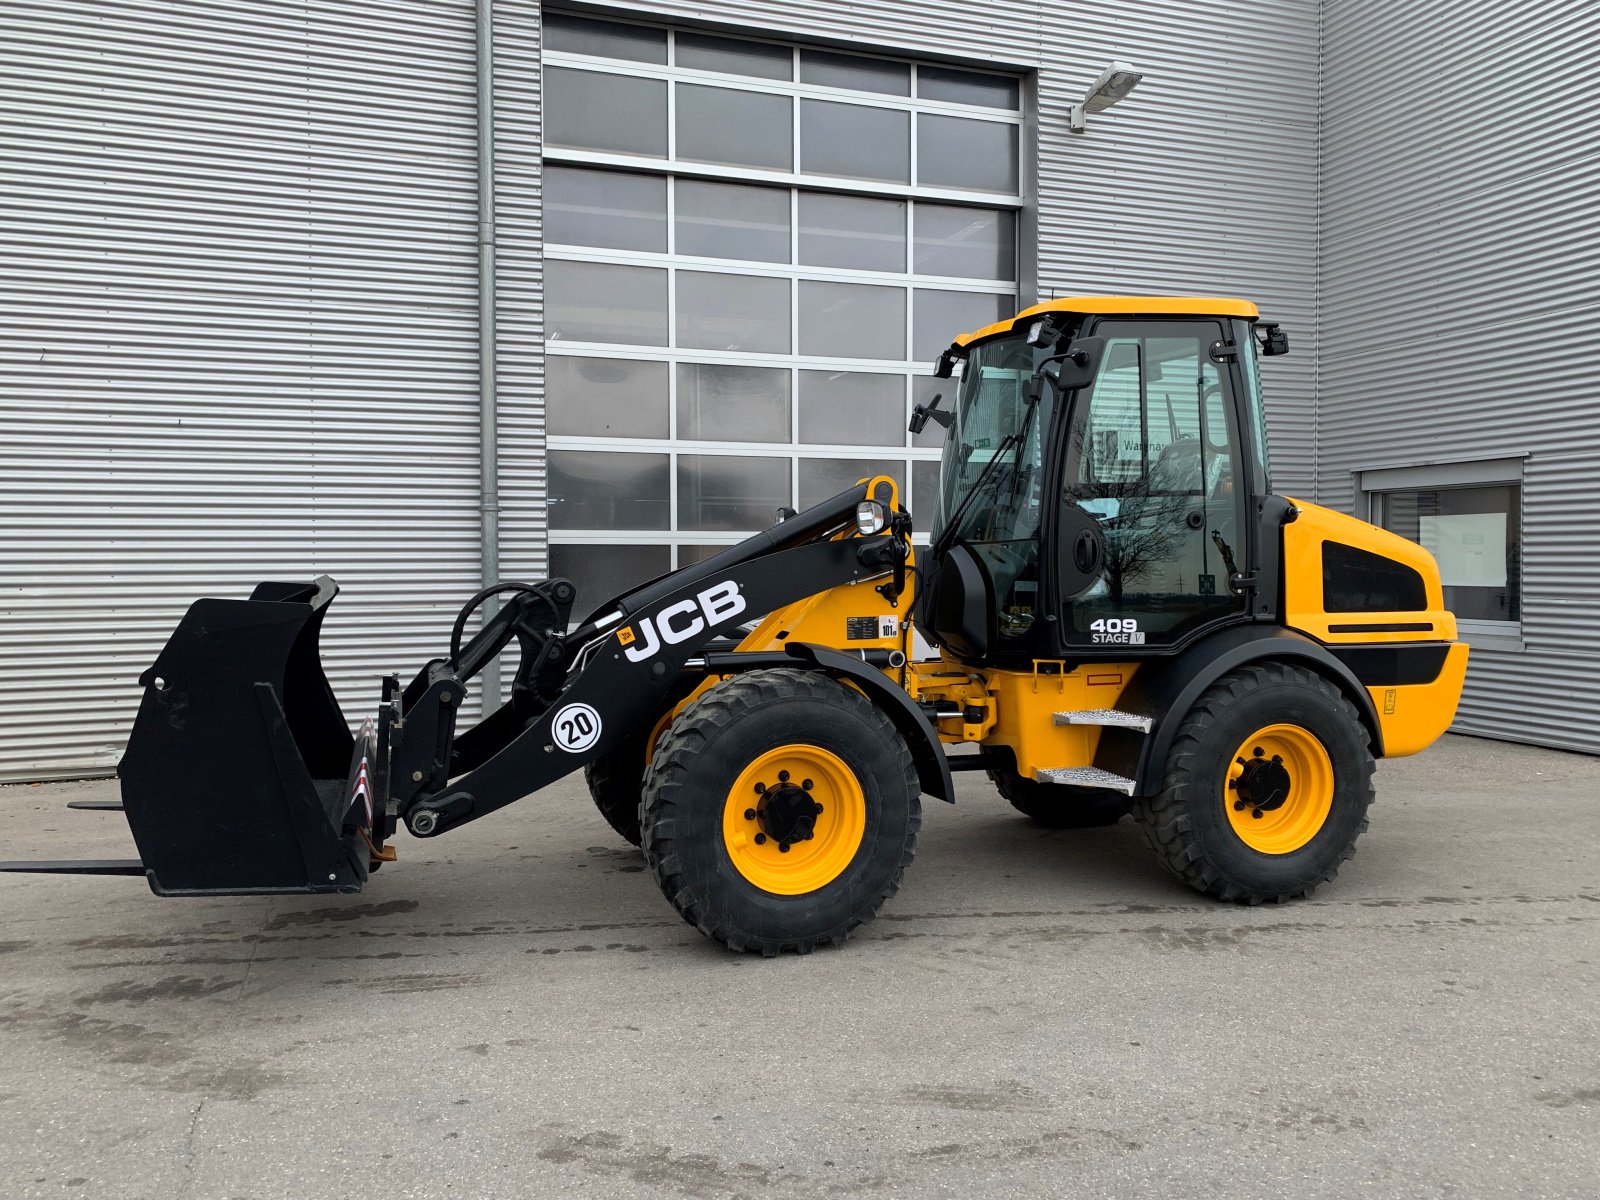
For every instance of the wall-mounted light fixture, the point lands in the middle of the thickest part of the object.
(1115, 82)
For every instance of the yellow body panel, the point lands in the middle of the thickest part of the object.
(1302, 580)
(1121, 306)
(1020, 707)
(1411, 716)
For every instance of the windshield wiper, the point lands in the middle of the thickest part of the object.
(948, 533)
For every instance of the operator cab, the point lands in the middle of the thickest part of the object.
(1111, 512)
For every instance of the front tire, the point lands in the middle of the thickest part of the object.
(1266, 788)
(780, 811)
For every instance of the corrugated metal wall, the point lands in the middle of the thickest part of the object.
(1203, 181)
(1460, 257)
(237, 338)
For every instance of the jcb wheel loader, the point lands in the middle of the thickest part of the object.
(1126, 618)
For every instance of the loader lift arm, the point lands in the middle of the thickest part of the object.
(627, 659)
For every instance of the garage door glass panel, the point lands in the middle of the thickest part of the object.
(602, 302)
(732, 56)
(729, 220)
(717, 491)
(967, 87)
(852, 232)
(852, 408)
(924, 501)
(587, 110)
(604, 39)
(744, 129)
(855, 142)
(852, 320)
(855, 72)
(605, 397)
(749, 313)
(964, 154)
(604, 490)
(609, 209)
(969, 243)
(719, 403)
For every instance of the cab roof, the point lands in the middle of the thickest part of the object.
(1119, 306)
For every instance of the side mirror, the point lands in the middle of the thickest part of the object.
(1272, 339)
(921, 413)
(1077, 367)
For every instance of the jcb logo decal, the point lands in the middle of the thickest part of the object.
(678, 622)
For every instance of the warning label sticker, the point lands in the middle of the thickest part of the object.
(870, 629)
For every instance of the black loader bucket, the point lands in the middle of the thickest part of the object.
(241, 775)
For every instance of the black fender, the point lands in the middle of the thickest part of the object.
(1165, 691)
(933, 771)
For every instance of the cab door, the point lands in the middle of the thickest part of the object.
(1153, 491)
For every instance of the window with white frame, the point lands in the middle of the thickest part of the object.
(753, 254)
(1469, 517)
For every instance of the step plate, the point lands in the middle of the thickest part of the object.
(1090, 777)
(1105, 716)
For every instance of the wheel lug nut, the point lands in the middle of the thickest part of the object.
(749, 814)
(783, 847)
(1256, 813)
(1259, 752)
(761, 839)
(783, 777)
(807, 784)
(1277, 758)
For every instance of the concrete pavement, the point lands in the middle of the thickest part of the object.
(514, 1011)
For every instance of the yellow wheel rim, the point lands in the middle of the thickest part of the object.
(1279, 789)
(771, 826)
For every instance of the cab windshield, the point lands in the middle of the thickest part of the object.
(992, 475)
(992, 420)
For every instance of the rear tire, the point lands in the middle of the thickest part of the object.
(615, 780)
(1204, 824)
(1057, 807)
(750, 745)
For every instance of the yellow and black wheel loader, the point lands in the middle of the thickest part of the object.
(1126, 618)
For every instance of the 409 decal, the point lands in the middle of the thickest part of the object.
(1116, 631)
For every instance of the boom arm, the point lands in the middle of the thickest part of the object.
(626, 661)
